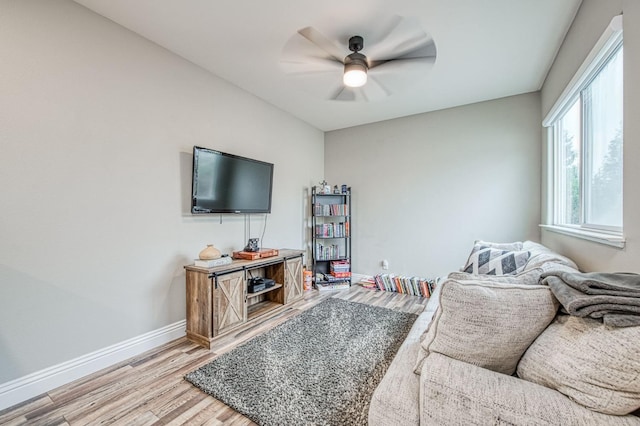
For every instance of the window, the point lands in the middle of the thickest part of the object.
(585, 145)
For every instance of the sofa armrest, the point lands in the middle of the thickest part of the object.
(395, 400)
(454, 391)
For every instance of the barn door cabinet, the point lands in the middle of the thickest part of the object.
(218, 300)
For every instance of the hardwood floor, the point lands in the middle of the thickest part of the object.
(150, 390)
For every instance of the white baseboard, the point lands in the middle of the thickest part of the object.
(34, 384)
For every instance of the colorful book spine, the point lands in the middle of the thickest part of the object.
(327, 252)
(332, 230)
(330, 209)
(414, 286)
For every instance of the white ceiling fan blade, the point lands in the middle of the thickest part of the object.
(372, 91)
(386, 30)
(416, 47)
(309, 60)
(375, 89)
(400, 74)
(319, 40)
(403, 66)
(406, 39)
(310, 65)
(343, 93)
(318, 85)
(299, 47)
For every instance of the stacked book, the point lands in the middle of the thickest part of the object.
(340, 269)
(414, 286)
(326, 282)
(332, 286)
(369, 283)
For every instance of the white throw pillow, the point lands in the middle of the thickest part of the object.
(594, 365)
(487, 324)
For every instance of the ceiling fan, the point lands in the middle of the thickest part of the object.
(394, 57)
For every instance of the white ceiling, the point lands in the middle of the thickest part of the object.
(485, 49)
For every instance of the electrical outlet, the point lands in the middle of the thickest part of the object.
(385, 264)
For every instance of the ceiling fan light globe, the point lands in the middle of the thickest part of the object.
(355, 75)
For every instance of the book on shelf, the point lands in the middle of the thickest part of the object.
(327, 252)
(330, 209)
(343, 285)
(321, 277)
(332, 230)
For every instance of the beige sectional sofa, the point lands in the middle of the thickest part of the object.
(497, 350)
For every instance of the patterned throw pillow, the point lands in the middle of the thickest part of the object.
(487, 260)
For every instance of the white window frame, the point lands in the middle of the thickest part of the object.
(608, 43)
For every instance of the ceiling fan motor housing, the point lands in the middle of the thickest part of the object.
(356, 43)
(356, 59)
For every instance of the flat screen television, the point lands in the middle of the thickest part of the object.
(227, 183)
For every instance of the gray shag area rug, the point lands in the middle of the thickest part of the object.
(318, 368)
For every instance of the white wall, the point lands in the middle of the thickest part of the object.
(590, 22)
(426, 186)
(96, 130)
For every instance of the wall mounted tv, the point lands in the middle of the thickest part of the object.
(227, 183)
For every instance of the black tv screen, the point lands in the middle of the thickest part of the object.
(227, 183)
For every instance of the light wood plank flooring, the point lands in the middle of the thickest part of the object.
(150, 390)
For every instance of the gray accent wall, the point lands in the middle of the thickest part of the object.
(97, 125)
(426, 186)
(589, 24)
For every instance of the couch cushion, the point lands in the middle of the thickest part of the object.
(494, 261)
(530, 277)
(454, 392)
(595, 365)
(487, 324)
(543, 257)
(396, 399)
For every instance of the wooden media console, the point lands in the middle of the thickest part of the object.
(218, 301)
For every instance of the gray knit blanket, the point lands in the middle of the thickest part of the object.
(612, 297)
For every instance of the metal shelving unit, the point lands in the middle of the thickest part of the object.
(331, 239)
